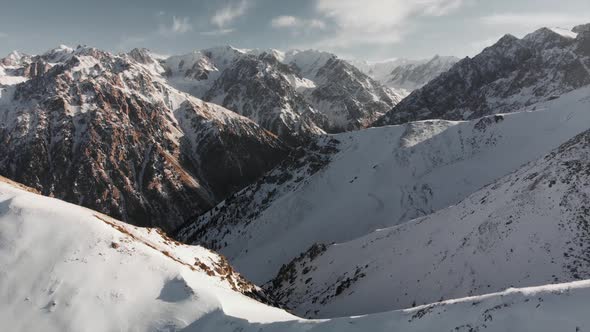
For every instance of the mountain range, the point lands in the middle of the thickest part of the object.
(405, 75)
(511, 74)
(299, 191)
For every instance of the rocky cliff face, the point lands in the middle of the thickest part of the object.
(296, 95)
(106, 132)
(348, 98)
(262, 89)
(511, 74)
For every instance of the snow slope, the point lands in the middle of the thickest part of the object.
(529, 228)
(67, 268)
(380, 177)
(548, 308)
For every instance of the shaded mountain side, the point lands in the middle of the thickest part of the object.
(509, 75)
(532, 225)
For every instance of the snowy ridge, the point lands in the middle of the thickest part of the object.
(381, 177)
(296, 94)
(404, 75)
(412, 76)
(532, 225)
(69, 268)
(548, 308)
(75, 269)
(505, 77)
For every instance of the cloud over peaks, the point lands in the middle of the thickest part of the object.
(227, 14)
(377, 21)
(179, 25)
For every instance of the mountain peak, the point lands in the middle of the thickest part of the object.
(142, 55)
(582, 28)
(504, 45)
(546, 38)
(14, 58)
(507, 39)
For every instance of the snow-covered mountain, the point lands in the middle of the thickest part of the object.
(346, 96)
(504, 77)
(412, 76)
(296, 95)
(108, 132)
(472, 185)
(13, 68)
(380, 70)
(404, 75)
(528, 228)
(378, 178)
(74, 119)
(66, 268)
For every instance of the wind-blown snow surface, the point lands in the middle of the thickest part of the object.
(382, 177)
(67, 268)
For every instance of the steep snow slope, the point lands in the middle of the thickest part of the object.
(67, 268)
(511, 74)
(531, 227)
(379, 177)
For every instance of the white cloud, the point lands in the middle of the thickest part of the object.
(179, 25)
(376, 21)
(285, 21)
(219, 32)
(296, 22)
(226, 15)
(2, 35)
(534, 20)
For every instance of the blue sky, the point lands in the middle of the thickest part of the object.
(364, 29)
